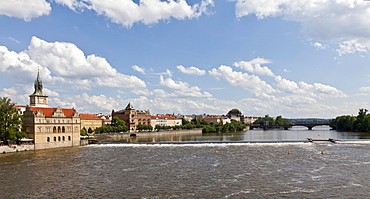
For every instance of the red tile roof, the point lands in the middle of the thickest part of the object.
(89, 117)
(163, 117)
(48, 112)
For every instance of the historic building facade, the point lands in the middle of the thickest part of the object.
(50, 127)
(90, 121)
(133, 117)
(165, 120)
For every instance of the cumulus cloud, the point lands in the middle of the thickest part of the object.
(138, 69)
(345, 21)
(313, 90)
(25, 10)
(64, 63)
(182, 89)
(254, 66)
(248, 82)
(191, 70)
(128, 12)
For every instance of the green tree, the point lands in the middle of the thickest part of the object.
(10, 121)
(117, 122)
(83, 131)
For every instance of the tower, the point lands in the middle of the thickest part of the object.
(38, 98)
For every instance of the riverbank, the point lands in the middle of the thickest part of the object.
(16, 148)
(153, 135)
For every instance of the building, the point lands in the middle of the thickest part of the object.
(50, 127)
(90, 121)
(165, 120)
(133, 117)
(215, 120)
(249, 120)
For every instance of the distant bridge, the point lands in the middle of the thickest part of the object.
(286, 127)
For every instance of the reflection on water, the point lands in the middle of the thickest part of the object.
(296, 133)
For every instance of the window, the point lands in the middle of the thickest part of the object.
(55, 139)
(59, 129)
(39, 129)
(69, 128)
(54, 129)
(48, 129)
(48, 139)
(58, 138)
(63, 138)
(69, 138)
(63, 129)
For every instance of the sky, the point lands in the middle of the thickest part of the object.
(295, 58)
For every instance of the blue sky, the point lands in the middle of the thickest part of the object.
(290, 57)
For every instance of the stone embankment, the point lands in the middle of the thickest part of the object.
(16, 148)
(116, 137)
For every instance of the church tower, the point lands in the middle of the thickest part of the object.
(38, 98)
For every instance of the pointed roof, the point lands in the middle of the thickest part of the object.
(38, 86)
(129, 107)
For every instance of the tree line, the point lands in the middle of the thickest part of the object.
(272, 121)
(10, 122)
(359, 123)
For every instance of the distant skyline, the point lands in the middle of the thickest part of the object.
(292, 58)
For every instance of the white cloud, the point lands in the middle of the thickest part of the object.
(254, 66)
(191, 70)
(127, 12)
(248, 82)
(70, 66)
(168, 72)
(138, 69)
(25, 10)
(312, 90)
(319, 46)
(182, 89)
(13, 94)
(339, 21)
(365, 89)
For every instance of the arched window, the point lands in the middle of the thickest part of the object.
(63, 129)
(54, 129)
(55, 139)
(48, 139)
(63, 138)
(69, 138)
(58, 138)
(59, 129)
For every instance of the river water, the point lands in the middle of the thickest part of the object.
(191, 170)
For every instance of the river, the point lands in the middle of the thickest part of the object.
(191, 170)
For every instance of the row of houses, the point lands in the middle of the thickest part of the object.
(59, 127)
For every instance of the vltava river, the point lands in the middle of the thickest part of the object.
(212, 170)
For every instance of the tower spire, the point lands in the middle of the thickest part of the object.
(38, 85)
(38, 98)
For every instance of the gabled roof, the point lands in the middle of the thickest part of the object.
(48, 112)
(89, 117)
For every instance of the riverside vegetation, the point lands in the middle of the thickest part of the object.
(359, 123)
(10, 122)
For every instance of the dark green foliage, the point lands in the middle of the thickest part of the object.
(117, 125)
(271, 121)
(144, 127)
(83, 131)
(10, 121)
(360, 123)
(224, 128)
